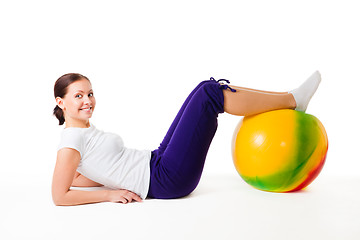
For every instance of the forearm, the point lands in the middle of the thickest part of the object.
(77, 197)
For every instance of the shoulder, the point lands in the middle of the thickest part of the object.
(72, 135)
(72, 138)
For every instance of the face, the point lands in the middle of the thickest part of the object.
(78, 104)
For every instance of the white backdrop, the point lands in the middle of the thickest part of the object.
(144, 57)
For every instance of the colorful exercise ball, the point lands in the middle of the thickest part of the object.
(279, 151)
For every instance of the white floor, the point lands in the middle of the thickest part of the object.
(222, 207)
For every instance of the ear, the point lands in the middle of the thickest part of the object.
(60, 102)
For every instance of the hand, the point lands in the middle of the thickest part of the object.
(122, 196)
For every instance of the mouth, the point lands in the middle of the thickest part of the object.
(87, 109)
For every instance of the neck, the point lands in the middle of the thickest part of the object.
(77, 124)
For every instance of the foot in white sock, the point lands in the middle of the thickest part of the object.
(304, 93)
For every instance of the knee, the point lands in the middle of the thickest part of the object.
(210, 85)
(211, 94)
(206, 82)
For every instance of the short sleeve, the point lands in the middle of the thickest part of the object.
(71, 138)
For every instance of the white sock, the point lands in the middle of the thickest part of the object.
(304, 93)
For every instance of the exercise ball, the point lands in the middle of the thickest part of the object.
(279, 151)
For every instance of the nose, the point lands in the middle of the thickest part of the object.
(87, 100)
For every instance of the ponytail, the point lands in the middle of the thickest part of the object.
(59, 114)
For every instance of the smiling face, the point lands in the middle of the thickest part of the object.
(78, 104)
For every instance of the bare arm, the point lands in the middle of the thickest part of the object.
(82, 181)
(64, 173)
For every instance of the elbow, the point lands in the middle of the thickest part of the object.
(58, 204)
(59, 195)
(57, 201)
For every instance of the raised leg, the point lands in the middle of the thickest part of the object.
(246, 101)
(176, 167)
(174, 124)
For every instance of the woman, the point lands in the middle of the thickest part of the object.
(88, 157)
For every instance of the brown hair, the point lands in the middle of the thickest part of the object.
(60, 90)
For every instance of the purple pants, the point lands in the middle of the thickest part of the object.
(176, 166)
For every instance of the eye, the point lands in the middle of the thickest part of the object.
(78, 96)
(91, 95)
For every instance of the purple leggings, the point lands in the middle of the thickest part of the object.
(176, 166)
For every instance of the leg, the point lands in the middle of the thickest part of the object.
(245, 101)
(168, 136)
(177, 171)
(250, 89)
(174, 124)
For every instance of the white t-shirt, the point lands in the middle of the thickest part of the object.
(105, 159)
